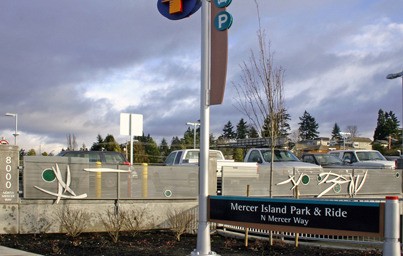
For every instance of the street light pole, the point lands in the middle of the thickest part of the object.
(195, 124)
(393, 76)
(16, 125)
(344, 134)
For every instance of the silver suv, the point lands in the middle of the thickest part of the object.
(282, 159)
(364, 159)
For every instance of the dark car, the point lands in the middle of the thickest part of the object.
(322, 159)
(105, 157)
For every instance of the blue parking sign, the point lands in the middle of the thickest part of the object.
(223, 21)
(222, 3)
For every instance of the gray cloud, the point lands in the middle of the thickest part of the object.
(73, 66)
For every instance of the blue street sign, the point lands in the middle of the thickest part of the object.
(184, 8)
(223, 21)
(222, 3)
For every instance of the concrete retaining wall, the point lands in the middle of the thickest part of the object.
(41, 216)
(153, 193)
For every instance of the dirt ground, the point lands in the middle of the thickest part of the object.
(160, 243)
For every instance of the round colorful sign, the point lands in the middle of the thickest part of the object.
(223, 21)
(168, 193)
(222, 3)
(178, 9)
(48, 175)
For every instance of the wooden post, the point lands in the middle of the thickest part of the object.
(247, 229)
(145, 180)
(98, 181)
(296, 195)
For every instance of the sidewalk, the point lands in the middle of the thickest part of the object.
(5, 251)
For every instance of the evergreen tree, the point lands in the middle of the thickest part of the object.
(188, 138)
(308, 128)
(110, 144)
(285, 128)
(139, 153)
(253, 132)
(164, 148)
(336, 132)
(176, 144)
(31, 152)
(387, 125)
(228, 131)
(266, 128)
(281, 127)
(242, 129)
(97, 146)
(152, 153)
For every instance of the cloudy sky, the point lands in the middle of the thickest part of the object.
(72, 66)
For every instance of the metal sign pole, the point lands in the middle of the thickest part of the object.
(131, 139)
(203, 232)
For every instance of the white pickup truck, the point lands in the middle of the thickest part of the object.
(232, 168)
(189, 156)
(282, 159)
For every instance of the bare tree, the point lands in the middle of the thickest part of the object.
(71, 142)
(295, 136)
(353, 130)
(260, 91)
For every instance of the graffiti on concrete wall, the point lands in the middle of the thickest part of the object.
(334, 180)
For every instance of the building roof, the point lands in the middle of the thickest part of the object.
(361, 139)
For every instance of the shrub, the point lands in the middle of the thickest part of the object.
(134, 221)
(114, 223)
(74, 221)
(180, 222)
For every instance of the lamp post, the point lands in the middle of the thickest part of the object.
(393, 76)
(195, 124)
(16, 123)
(344, 135)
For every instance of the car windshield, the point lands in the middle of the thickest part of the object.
(279, 156)
(170, 159)
(327, 159)
(113, 158)
(370, 156)
(194, 155)
(108, 157)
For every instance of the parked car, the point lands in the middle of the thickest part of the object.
(105, 157)
(393, 158)
(364, 159)
(186, 157)
(282, 158)
(108, 159)
(322, 159)
(189, 156)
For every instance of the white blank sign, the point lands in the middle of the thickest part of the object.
(131, 122)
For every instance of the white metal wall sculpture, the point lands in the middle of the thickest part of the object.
(355, 183)
(63, 186)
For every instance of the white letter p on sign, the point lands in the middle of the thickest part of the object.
(222, 19)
